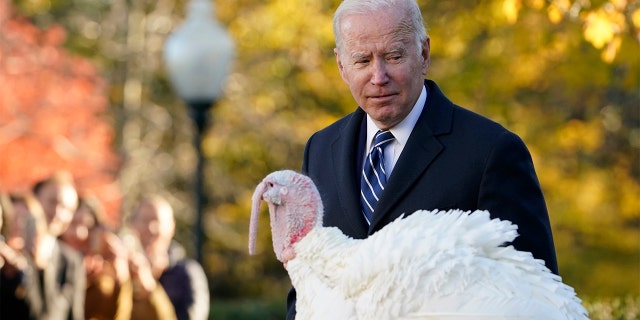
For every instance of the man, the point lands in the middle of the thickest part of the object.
(51, 284)
(440, 156)
(183, 280)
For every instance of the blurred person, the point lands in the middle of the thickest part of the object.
(150, 301)
(109, 292)
(51, 282)
(11, 253)
(59, 199)
(183, 279)
(12, 302)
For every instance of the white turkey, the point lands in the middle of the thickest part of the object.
(428, 265)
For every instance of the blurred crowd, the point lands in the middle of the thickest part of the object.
(60, 260)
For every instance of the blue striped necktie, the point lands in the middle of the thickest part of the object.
(374, 176)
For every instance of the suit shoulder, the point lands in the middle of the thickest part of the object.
(444, 117)
(482, 127)
(475, 120)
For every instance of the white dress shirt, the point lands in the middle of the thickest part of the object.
(401, 132)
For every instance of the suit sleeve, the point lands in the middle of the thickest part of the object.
(79, 288)
(67, 298)
(305, 159)
(510, 190)
(200, 291)
(291, 304)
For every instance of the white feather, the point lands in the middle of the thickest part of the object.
(428, 265)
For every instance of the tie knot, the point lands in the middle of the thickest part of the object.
(381, 138)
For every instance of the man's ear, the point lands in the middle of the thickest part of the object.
(426, 55)
(336, 53)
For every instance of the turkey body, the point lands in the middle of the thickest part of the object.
(428, 265)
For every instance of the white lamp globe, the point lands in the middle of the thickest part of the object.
(198, 55)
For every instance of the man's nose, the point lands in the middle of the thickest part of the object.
(379, 72)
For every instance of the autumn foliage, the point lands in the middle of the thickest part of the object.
(51, 105)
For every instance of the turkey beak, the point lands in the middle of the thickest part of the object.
(255, 215)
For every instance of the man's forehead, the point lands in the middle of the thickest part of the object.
(387, 40)
(356, 51)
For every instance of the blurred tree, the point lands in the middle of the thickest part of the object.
(606, 24)
(52, 108)
(562, 74)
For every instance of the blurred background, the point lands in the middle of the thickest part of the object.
(83, 87)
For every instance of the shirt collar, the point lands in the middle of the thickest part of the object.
(402, 130)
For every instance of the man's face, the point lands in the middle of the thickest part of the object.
(59, 203)
(382, 65)
(77, 234)
(16, 236)
(153, 225)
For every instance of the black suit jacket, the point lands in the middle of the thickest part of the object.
(454, 159)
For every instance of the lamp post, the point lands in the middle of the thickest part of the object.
(197, 58)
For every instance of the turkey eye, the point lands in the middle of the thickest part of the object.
(270, 184)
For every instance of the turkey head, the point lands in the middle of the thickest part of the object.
(295, 208)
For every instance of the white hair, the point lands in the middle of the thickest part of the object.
(414, 24)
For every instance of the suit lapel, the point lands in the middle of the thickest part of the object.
(345, 155)
(421, 149)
